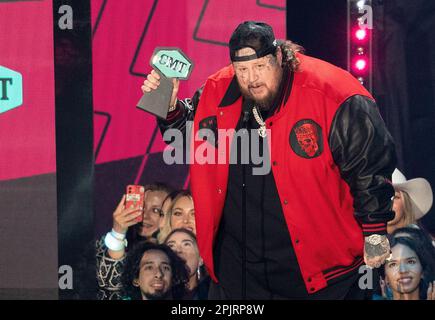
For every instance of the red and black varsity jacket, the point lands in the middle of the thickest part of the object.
(332, 159)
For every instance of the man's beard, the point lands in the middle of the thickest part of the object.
(157, 296)
(264, 103)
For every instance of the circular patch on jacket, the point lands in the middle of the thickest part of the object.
(306, 139)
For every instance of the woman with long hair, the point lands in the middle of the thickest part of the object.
(181, 215)
(412, 200)
(410, 271)
(183, 243)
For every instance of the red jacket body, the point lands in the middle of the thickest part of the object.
(316, 201)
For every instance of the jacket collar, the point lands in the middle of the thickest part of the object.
(231, 95)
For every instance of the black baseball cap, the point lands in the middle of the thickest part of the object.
(253, 34)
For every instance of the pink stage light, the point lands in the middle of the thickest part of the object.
(361, 64)
(361, 34)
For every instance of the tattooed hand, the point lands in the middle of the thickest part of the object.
(376, 250)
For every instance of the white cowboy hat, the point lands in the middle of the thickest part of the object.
(419, 191)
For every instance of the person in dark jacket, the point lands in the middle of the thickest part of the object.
(299, 223)
(183, 242)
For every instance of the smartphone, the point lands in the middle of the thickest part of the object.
(134, 198)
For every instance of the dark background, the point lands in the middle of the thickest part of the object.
(403, 64)
(74, 148)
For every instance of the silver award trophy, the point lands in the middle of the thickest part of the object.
(168, 63)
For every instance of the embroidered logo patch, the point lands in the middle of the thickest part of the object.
(306, 139)
(209, 129)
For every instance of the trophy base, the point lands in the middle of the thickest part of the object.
(157, 101)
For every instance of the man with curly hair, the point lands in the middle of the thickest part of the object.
(154, 272)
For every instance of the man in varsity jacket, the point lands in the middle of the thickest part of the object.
(303, 229)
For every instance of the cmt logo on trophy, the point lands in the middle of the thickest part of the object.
(11, 89)
(172, 63)
(169, 63)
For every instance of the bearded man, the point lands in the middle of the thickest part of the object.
(303, 229)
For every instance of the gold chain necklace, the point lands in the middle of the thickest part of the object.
(262, 130)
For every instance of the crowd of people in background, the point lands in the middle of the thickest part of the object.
(158, 258)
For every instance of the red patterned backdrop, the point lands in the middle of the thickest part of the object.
(127, 143)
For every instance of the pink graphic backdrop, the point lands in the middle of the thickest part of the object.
(125, 35)
(27, 133)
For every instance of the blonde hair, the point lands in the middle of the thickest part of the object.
(167, 228)
(408, 212)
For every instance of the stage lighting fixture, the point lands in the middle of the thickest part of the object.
(361, 64)
(361, 34)
(359, 41)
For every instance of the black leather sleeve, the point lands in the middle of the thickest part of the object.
(184, 112)
(364, 151)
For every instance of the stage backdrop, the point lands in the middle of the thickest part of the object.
(128, 144)
(28, 218)
(404, 84)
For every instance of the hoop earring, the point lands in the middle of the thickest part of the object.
(198, 272)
